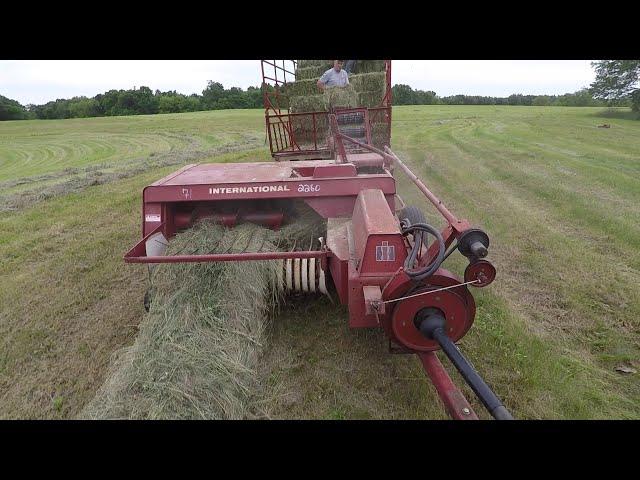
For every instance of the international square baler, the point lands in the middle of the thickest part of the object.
(381, 258)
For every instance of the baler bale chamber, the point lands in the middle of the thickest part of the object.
(378, 256)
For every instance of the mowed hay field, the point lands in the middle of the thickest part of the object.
(559, 197)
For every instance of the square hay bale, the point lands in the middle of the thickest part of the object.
(369, 66)
(341, 97)
(302, 87)
(370, 99)
(309, 103)
(327, 64)
(368, 82)
(310, 73)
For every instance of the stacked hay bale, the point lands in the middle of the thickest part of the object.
(197, 352)
(367, 87)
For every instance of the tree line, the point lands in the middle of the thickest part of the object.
(137, 101)
(405, 95)
(617, 84)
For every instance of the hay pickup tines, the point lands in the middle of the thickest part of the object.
(376, 251)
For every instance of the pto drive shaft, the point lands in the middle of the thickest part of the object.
(431, 323)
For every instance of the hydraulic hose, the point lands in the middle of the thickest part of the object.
(417, 229)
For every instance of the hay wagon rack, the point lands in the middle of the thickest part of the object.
(380, 256)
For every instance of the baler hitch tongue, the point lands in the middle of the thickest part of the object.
(431, 323)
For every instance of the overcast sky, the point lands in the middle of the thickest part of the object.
(39, 81)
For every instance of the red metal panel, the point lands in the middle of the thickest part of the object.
(379, 245)
(358, 316)
(287, 188)
(332, 207)
(327, 171)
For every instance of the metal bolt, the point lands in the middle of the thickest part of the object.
(466, 411)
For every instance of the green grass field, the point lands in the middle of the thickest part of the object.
(558, 195)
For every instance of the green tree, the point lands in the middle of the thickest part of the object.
(212, 94)
(402, 95)
(541, 101)
(11, 110)
(616, 80)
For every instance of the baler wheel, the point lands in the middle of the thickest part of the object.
(412, 214)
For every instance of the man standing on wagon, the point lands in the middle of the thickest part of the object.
(334, 77)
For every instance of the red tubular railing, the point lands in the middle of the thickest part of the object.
(226, 257)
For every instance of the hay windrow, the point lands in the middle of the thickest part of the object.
(198, 348)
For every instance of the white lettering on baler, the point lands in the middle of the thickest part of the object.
(257, 189)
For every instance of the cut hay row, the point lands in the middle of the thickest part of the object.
(198, 349)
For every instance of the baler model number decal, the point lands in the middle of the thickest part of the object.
(308, 188)
(261, 189)
(151, 217)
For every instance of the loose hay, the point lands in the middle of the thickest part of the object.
(198, 348)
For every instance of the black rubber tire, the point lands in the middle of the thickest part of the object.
(412, 214)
